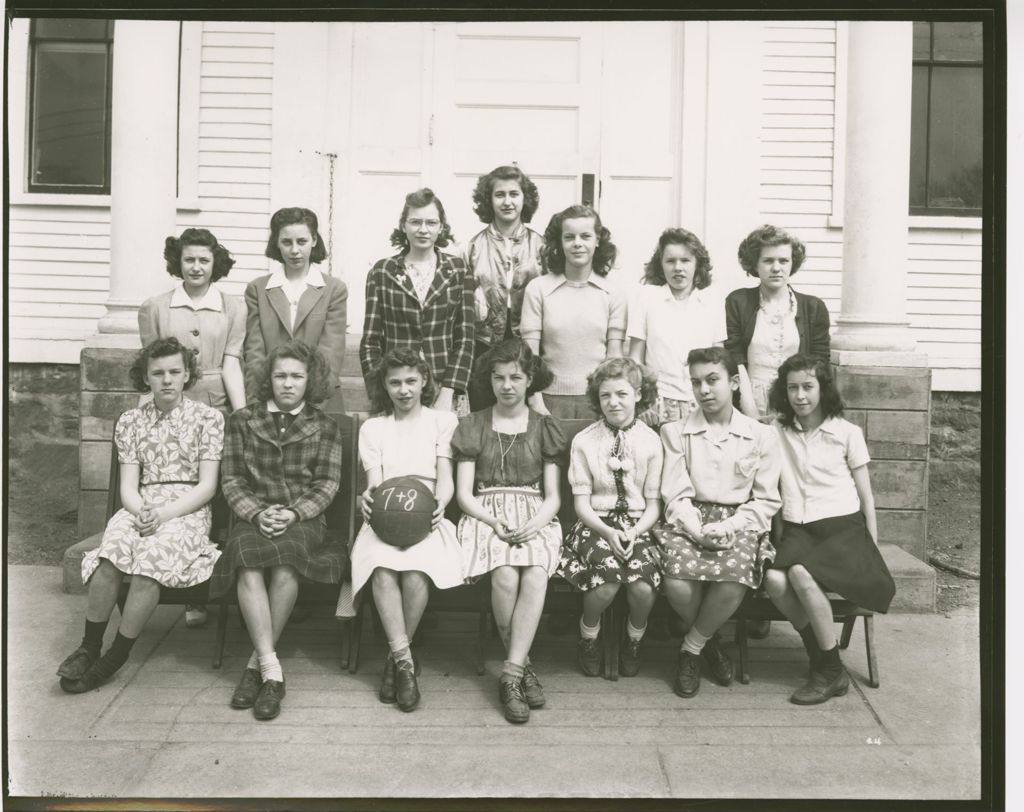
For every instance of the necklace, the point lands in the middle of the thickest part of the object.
(505, 451)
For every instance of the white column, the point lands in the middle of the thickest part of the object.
(143, 172)
(876, 200)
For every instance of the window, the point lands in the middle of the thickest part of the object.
(946, 119)
(69, 120)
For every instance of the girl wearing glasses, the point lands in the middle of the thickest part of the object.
(421, 299)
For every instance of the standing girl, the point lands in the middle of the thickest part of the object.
(507, 486)
(421, 299)
(721, 489)
(409, 439)
(669, 316)
(829, 532)
(615, 474)
(296, 303)
(503, 258)
(572, 316)
(169, 450)
(282, 465)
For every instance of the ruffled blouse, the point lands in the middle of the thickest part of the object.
(524, 454)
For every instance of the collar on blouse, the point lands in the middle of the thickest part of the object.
(663, 293)
(515, 236)
(830, 425)
(315, 278)
(552, 282)
(272, 407)
(211, 299)
(739, 424)
(153, 414)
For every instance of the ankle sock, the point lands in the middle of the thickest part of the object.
(633, 633)
(694, 641)
(590, 632)
(116, 656)
(254, 661)
(270, 667)
(810, 644)
(93, 639)
(511, 670)
(400, 649)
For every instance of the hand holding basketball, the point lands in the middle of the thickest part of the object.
(404, 511)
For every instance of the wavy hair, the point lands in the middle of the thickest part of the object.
(778, 397)
(318, 371)
(173, 247)
(514, 351)
(654, 274)
(484, 208)
(643, 379)
(294, 216)
(716, 355)
(552, 256)
(768, 236)
(162, 348)
(400, 357)
(417, 200)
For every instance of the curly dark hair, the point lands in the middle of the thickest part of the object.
(514, 351)
(778, 398)
(643, 379)
(162, 348)
(400, 357)
(318, 381)
(716, 355)
(417, 200)
(173, 246)
(654, 274)
(768, 236)
(293, 216)
(552, 256)
(482, 205)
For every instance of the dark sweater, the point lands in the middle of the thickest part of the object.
(812, 323)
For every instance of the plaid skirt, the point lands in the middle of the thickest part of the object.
(588, 561)
(744, 562)
(302, 546)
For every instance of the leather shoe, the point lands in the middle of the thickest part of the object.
(76, 664)
(532, 688)
(513, 700)
(195, 615)
(687, 681)
(629, 657)
(821, 687)
(758, 629)
(248, 689)
(89, 681)
(407, 692)
(589, 654)
(386, 694)
(718, 661)
(268, 700)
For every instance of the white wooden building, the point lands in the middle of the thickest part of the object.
(716, 126)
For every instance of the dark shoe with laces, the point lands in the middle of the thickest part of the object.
(629, 657)
(268, 701)
(90, 681)
(821, 687)
(77, 663)
(407, 692)
(248, 689)
(532, 688)
(718, 661)
(513, 699)
(589, 654)
(386, 694)
(687, 681)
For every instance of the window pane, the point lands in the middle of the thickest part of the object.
(72, 29)
(919, 136)
(922, 40)
(69, 112)
(955, 132)
(958, 41)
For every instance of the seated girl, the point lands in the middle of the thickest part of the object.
(721, 489)
(615, 473)
(410, 439)
(169, 450)
(282, 465)
(829, 532)
(507, 487)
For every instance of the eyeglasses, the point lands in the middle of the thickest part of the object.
(416, 225)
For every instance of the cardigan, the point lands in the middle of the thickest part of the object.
(812, 323)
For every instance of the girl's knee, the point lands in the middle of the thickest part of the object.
(775, 582)
(505, 579)
(681, 590)
(800, 578)
(640, 589)
(283, 575)
(414, 579)
(383, 576)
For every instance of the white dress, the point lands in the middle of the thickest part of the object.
(408, 448)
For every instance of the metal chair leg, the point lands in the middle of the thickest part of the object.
(356, 638)
(222, 633)
(848, 623)
(869, 642)
(610, 624)
(741, 643)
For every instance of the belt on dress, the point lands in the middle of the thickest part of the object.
(172, 482)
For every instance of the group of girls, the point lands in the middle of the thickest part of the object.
(686, 513)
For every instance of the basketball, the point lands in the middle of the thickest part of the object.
(402, 507)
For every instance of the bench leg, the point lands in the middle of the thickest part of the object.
(741, 643)
(344, 642)
(869, 642)
(356, 638)
(848, 623)
(482, 627)
(222, 633)
(610, 634)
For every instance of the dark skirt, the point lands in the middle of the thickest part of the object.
(302, 546)
(841, 555)
(587, 560)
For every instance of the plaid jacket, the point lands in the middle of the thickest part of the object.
(300, 469)
(441, 330)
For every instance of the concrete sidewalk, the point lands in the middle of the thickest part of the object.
(163, 728)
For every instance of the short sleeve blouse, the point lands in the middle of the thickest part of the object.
(407, 447)
(169, 446)
(525, 454)
(590, 473)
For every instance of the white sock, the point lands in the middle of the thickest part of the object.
(589, 632)
(400, 648)
(633, 632)
(254, 661)
(270, 667)
(694, 641)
